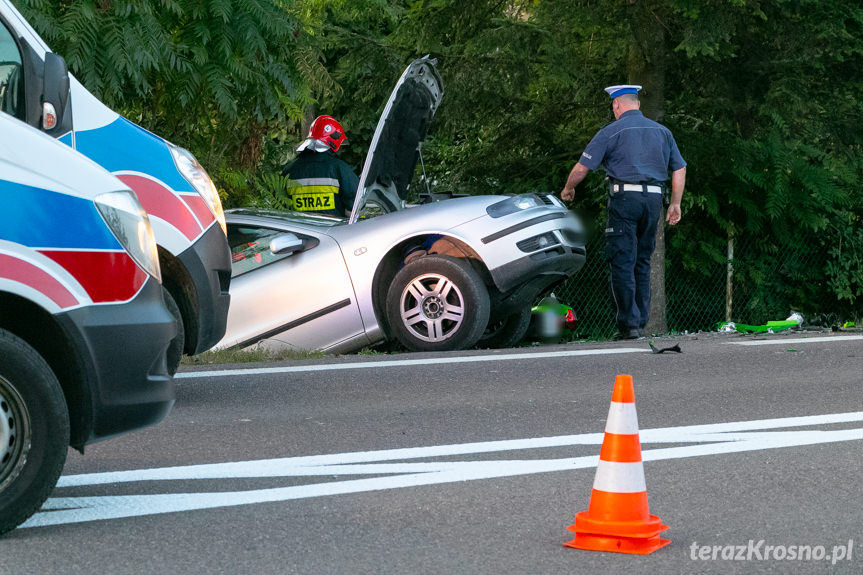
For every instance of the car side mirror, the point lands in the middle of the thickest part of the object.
(286, 244)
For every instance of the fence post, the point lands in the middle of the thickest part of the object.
(729, 275)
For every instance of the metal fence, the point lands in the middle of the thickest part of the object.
(767, 283)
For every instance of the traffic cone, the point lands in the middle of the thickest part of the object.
(618, 518)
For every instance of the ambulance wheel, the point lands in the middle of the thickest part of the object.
(34, 431)
(506, 331)
(175, 348)
(437, 303)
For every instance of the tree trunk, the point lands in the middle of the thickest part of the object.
(658, 319)
(310, 112)
(646, 67)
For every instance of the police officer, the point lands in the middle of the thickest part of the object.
(636, 154)
(320, 181)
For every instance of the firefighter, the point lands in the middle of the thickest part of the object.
(319, 181)
(636, 154)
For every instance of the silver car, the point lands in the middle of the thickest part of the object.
(446, 274)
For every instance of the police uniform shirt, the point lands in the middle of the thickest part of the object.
(633, 149)
(322, 183)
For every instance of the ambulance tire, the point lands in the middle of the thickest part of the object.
(437, 303)
(175, 348)
(506, 331)
(34, 431)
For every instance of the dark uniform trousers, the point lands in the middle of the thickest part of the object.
(629, 241)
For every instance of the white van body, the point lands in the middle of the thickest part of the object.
(83, 323)
(181, 200)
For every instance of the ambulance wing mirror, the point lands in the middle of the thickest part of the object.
(46, 91)
(56, 109)
(288, 243)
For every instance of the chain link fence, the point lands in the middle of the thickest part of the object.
(768, 282)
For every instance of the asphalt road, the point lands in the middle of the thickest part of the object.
(474, 463)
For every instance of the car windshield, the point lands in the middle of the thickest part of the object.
(302, 218)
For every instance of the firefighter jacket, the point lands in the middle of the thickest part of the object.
(320, 182)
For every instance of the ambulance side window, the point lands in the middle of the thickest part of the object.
(11, 80)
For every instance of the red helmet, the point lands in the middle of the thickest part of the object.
(327, 129)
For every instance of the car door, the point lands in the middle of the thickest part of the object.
(299, 299)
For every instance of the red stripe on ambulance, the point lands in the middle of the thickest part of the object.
(38, 279)
(200, 209)
(161, 202)
(107, 276)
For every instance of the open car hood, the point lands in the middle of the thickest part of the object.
(394, 150)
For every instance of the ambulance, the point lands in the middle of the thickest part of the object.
(83, 324)
(181, 200)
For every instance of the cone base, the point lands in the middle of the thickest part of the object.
(631, 545)
(649, 526)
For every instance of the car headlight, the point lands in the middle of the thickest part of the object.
(513, 205)
(200, 180)
(129, 222)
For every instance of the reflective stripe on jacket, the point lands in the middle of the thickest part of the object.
(321, 182)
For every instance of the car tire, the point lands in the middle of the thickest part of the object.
(425, 314)
(175, 348)
(34, 431)
(506, 331)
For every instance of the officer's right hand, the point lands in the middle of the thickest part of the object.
(567, 194)
(672, 216)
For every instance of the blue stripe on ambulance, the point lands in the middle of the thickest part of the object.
(122, 146)
(29, 217)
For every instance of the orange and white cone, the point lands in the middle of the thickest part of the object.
(618, 518)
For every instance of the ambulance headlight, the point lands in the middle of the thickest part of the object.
(513, 205)
(200, 180)
(129, 222)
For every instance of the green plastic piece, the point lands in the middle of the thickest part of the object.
(559, 309)
(770, 325)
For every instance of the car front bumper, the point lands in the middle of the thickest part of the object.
(122, 350)
(540, 248)
(208, 262)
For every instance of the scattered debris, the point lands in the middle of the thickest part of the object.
(795, 316)
(675, 348)
(769, 327)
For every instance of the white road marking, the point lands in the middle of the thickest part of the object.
(472, 359)
(798, 340)
(406, 362)
(710, 439)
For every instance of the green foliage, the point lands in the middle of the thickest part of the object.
(762, 96)
(215, 76)
(845, 265)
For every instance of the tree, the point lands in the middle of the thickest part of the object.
(762, 96)
(215, 76)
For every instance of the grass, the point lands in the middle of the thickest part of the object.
(258, 354)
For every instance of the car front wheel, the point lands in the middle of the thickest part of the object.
(506, 331)
(437, 303)
(34, 431)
